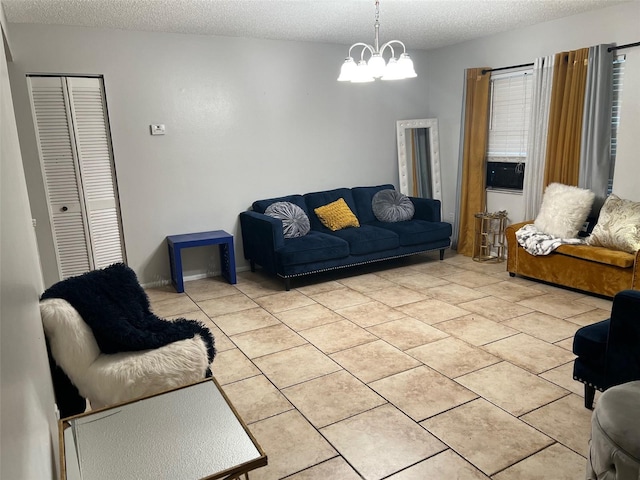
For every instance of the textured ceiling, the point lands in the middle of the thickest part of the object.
(420, 24)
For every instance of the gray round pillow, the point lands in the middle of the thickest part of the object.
(295, 222)
(392, 206)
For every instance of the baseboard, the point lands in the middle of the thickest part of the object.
(187, 278)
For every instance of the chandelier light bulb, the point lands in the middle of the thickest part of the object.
(394, 71)
(406, 66)
(348, 70)
(362, 73)
(377, 65)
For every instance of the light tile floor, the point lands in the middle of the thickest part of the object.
(412, 369)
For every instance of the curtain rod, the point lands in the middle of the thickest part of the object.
(487, 70)
(628, 45)
(610, 49)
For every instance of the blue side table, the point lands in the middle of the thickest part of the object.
(217, 237)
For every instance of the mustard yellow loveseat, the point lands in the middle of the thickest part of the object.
(591, 269)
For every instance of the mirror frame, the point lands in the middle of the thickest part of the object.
(431, 124)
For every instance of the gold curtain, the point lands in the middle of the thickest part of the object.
(565, 117)
(476, 127)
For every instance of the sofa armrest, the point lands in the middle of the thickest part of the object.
(262, 236)
(512, 245)
(426, 209)
(623, 354)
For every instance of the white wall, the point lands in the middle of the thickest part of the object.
(445, 74)
(512, 202)
(626, 178)
(245, 119)
(28, 424)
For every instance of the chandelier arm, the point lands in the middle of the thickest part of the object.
(388, 44)
(361, 44)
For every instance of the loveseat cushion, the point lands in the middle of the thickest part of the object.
(363, 196)
(368, 239)
(617, 258)
(318, 199)
(313, 247)
(261, 205)
(415, 232)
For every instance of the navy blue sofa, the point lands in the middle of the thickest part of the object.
(321, 249)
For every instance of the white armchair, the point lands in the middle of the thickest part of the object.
(106, 379)
(106, 345)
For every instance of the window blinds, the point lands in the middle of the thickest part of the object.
(509, 116)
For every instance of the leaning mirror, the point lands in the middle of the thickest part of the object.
(419, 158)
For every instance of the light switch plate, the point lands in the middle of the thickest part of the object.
(157, 129)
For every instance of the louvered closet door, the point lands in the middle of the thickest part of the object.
(93, 143)
(75, 152)
(61, 174)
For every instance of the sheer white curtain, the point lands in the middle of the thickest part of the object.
(595, 147)
(537, 143)
(456, 219)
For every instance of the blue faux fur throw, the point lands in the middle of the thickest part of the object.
(117, 309)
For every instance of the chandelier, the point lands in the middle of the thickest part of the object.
(377, 67)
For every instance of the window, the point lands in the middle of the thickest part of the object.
(618, 74)
(510, 108)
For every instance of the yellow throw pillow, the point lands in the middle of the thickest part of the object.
(337, 215)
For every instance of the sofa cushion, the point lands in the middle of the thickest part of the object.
(295, 222)
(604, 255)
(318, 199)
(336, 215)
(618, 226)
(261, 205)
(392, 206)
(363, 197)
(313, 247)
(564, 209)
(368, 239)
(415, 232)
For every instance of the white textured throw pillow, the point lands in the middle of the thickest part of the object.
(564, 209)
(618, 225)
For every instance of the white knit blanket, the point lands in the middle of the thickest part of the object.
(539, 243)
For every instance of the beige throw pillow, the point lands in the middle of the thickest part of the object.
(618, 225)
(564, 209)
